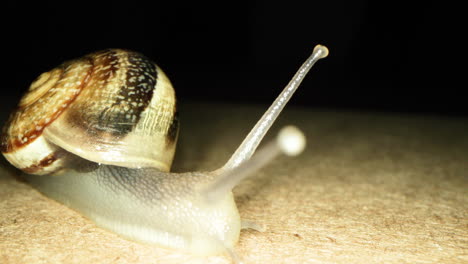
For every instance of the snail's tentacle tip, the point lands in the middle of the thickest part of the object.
(322, 50)
(291, 140)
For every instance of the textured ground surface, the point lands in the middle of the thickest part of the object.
(370, 188)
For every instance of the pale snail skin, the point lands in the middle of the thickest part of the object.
(115, 172)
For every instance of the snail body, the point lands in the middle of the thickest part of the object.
(148, 206)
(98, 134)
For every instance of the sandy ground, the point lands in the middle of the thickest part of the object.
(370, 188)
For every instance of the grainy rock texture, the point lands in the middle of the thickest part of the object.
(370, 188)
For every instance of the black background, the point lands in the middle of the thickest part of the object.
(384, 56)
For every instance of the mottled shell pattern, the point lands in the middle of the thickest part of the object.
(112, 107)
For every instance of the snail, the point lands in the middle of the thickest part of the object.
(98, 134)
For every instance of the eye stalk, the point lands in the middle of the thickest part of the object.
(290, 140)
(253, 139)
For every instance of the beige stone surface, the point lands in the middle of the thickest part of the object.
(370, 188)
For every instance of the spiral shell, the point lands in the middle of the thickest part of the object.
(112, 107)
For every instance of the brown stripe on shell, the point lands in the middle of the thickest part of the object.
(173, 130)
(121, 87)
(45, 162)
(133, 97)
(47, 98)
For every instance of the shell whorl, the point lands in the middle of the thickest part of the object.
(112, 107)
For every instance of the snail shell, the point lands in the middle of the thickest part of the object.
(113, 107)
